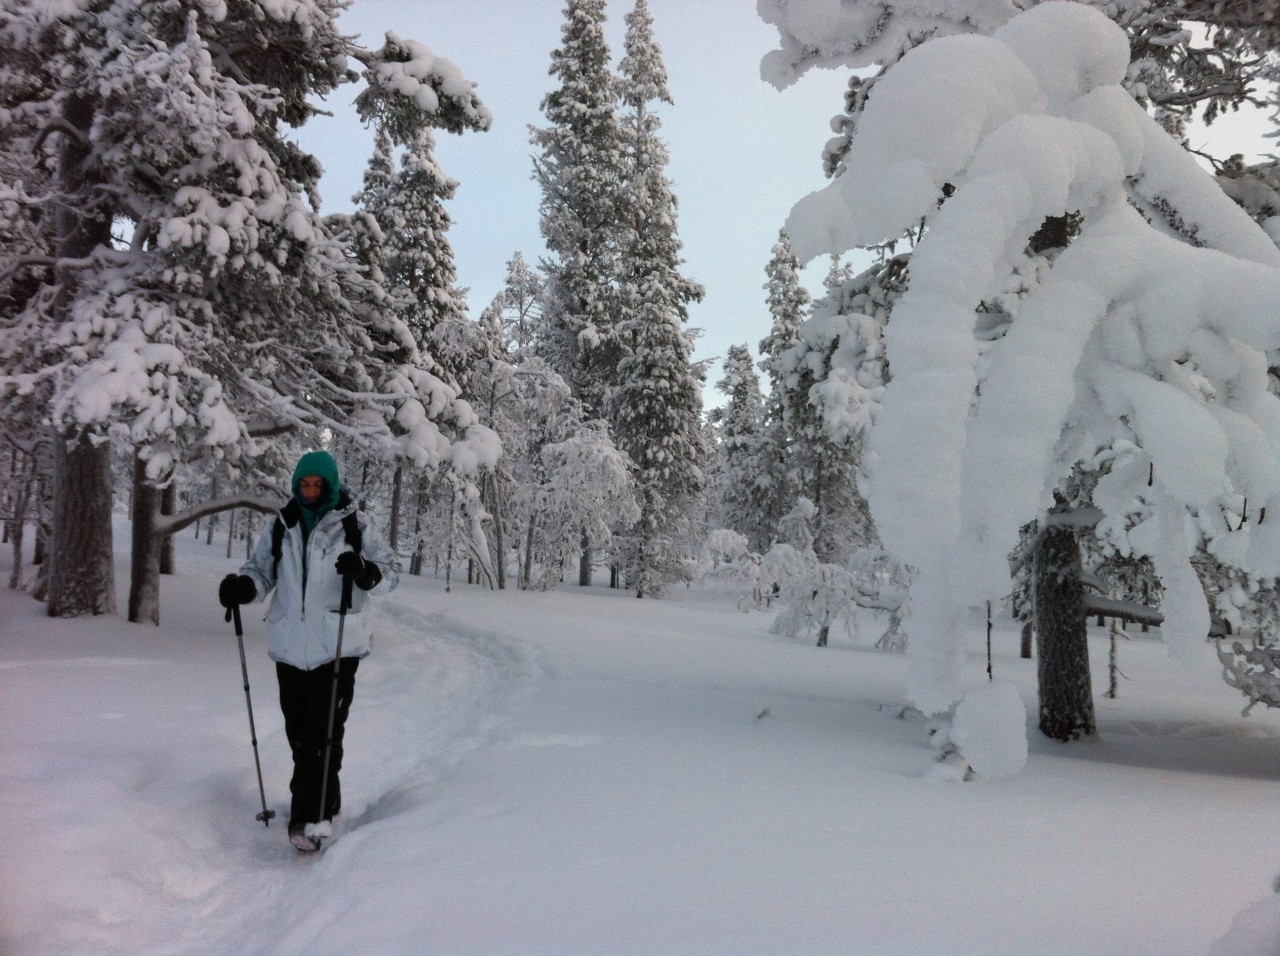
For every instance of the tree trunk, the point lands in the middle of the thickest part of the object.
(499, 539)
(584, 563)
(393, 522)
(144, 563)
(526, 572)
(16, 522)
(419, 548)
(448, 557)
(1061, 626)
(24, 487)
(81, 578)
(168, 505)
(43, 506)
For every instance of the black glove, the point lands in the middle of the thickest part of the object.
(365, 574)
(236, 589)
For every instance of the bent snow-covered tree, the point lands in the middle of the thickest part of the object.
(1148, 333)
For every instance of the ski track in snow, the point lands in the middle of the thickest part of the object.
(227, 882)
(433, 683)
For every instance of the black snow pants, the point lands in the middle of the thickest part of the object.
(304, 700)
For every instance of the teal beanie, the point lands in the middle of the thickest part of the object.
(318, 463)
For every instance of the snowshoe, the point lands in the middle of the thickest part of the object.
(299, 838)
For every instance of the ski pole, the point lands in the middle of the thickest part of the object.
(347, 581)
(266, 815)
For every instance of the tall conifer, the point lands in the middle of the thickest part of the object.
(656, 409)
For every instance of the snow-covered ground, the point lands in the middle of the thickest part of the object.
(581, 772)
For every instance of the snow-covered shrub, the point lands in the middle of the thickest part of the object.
(825, 596)
(1254, 671)
(727, 560)
(884, 586)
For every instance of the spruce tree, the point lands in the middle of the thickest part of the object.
(967, 438)
(788, 302)
(580, 167)
(520, 308)
(741, 498)
(826, 433)
(656, 408)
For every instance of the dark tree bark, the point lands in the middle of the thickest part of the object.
(80, 578)
(526, 567)
(393, 523)
(1061, 627)
(499, 538)
(168, 504)
(419, 548)
(144, 566)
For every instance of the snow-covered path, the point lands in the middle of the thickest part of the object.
(583, 773)
(172, 822)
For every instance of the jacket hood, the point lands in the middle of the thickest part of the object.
(322, 465)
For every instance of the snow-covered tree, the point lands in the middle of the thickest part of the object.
(179, 336)
(1173, 68)
(788, 303)
(656, 407)
(829, 382)
(400, 234)
(740, 496)
(1151, 332)
(520, 308)
(587, 490)
(824, 596)
(580, 167)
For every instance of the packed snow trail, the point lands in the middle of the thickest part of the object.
(174, 850)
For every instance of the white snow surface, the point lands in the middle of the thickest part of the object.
(580, 772)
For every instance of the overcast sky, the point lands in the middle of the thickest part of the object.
(742, 152)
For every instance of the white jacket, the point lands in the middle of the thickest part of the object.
(302, 619)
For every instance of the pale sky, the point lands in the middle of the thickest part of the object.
(742, 152)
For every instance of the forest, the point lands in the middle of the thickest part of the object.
(1053, 393)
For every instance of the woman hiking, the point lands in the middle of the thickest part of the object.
(317, 543)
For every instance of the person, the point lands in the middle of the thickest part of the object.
(317, 541)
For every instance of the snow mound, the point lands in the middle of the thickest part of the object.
(990, 729)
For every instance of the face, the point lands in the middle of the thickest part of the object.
(311, 487)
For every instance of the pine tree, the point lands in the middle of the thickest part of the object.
(420, 278)
(656, 409)
(580, 168)
(741, 499)
(788, 303)
(520, 308)
(824, 452)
